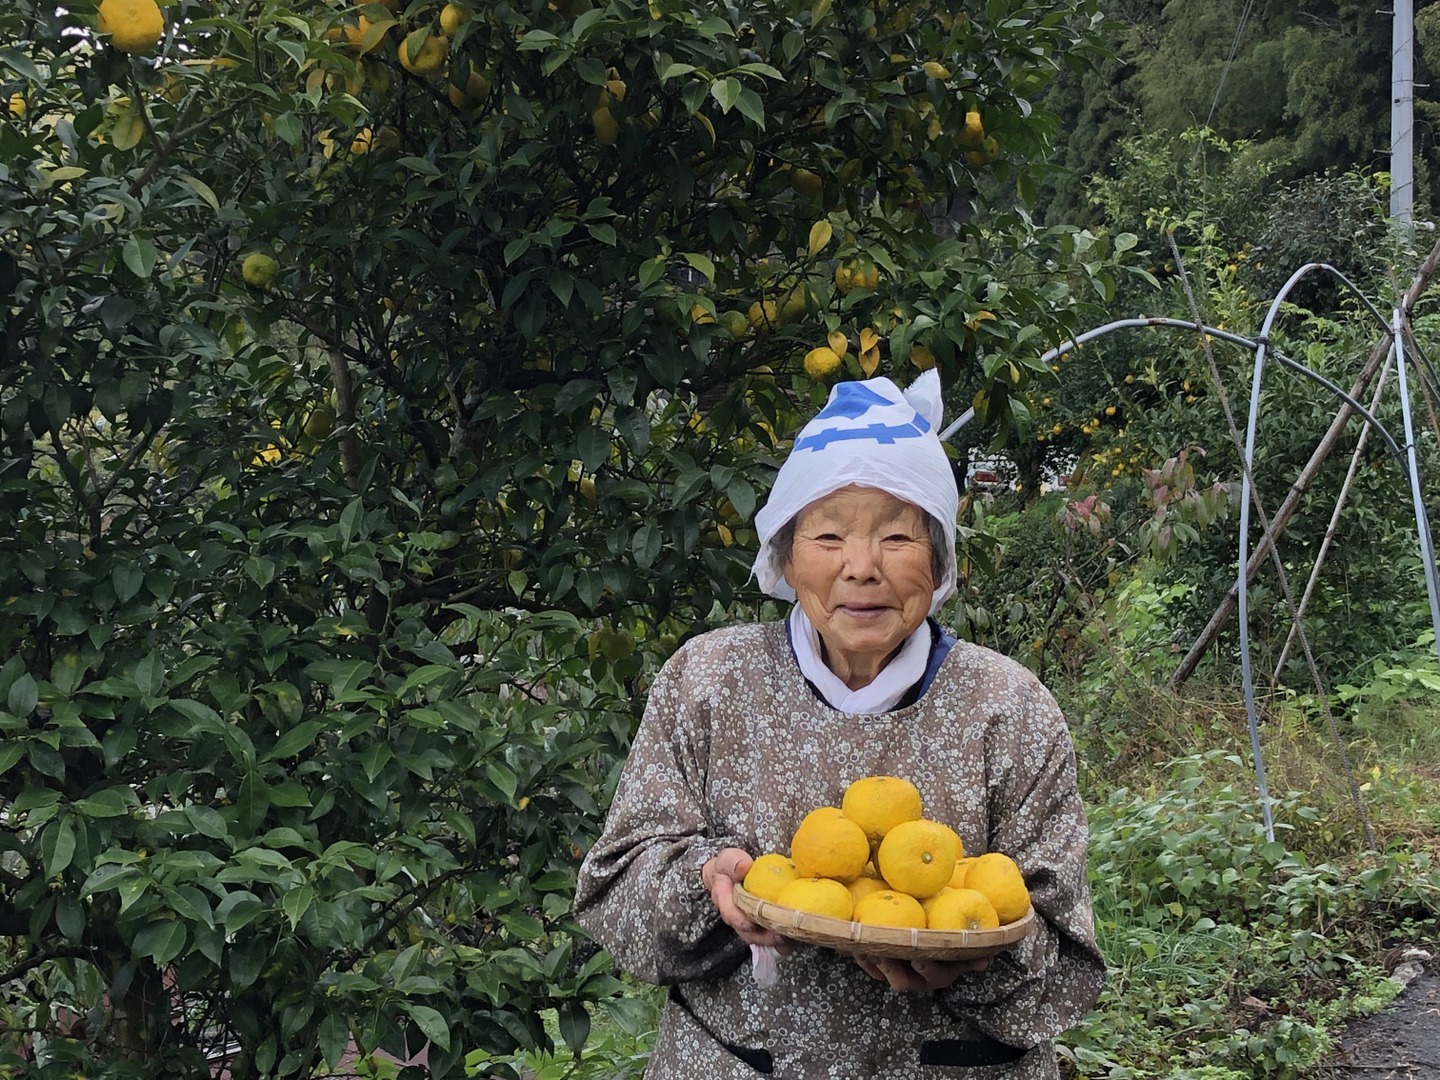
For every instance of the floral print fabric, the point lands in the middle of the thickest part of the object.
(733, 751)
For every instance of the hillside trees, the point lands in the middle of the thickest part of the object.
(1308, 89)
(371, 423)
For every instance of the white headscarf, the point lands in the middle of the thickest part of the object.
(870, 434)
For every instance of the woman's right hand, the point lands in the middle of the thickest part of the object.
(720, 875)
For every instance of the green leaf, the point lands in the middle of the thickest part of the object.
(150, 675)
(139, 256)
(10, 753)
(431, 1024)
(70, 918)
(296, 902)
(195, 184)
(702, 264)
(67, 672)
(128, 130)
(208, 822)
(109, 802)
(57, 846)
(334, 1036)
(296, 739)
(574, 1022)
(24, 695)
(725, 92)
(502, 777)
(161, 941)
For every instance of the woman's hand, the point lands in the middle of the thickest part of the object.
(720, 875)
(919, 975)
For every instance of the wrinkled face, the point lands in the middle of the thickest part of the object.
(861, 569)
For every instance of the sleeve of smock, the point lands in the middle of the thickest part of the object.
(639, 893)
(1047, 982)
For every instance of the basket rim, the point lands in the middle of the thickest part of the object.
(853, 936)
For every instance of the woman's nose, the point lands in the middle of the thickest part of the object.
(862, 560)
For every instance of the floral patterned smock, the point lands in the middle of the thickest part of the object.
(733, 751)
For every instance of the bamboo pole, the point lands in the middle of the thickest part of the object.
(1304, 480)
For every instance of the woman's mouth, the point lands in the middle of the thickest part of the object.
(863, 611)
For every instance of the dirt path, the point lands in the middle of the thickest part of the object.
(1402, 1043)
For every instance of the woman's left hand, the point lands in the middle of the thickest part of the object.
(915, 976)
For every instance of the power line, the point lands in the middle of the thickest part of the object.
(1229, 60)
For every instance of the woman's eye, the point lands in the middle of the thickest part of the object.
(899, 538)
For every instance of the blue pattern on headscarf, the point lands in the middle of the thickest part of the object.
(852, 401)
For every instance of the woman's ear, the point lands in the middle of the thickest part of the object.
(787, 570)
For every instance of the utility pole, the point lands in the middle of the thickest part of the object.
(1402, 112)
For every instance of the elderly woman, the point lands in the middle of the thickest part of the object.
(748, 728)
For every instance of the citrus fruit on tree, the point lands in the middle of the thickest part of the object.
(917, 857)
(817, 895)
(454, 16)
(878, 803)
(320, 423)
(472, 95)
(424, 56)
(890, 908)
(134, 26)
(962, 909)
(996, 875)
(768, 874)
(734, 323)
(821, 362)
(763, 313)
(607, 128)
(832, 847)
(259, 269)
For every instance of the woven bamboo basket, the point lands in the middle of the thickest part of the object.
(892, 942)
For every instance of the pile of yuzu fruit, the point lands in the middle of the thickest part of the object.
(877, 859)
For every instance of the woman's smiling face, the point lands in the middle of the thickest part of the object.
(861, 568)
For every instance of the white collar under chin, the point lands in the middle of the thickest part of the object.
(883, 692)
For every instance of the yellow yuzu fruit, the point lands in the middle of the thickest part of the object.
(833, 847)
(818, 895)
(134, 26)
(768, 874)
(762, 313)
(735, 323)
(890, 908)
(821, 361)
(957, 879)
(878, 803)
(973, 134)
(929, 901)
(472, 94)
(822, 813)
(863, 886)
(607, 128)
(454, 16)
(807, 183)
(259, 269)
(955, 838)
(425, 57)
(999, 878)
(962, 909)
(917, 857)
